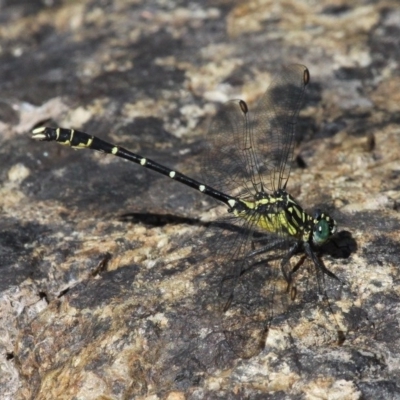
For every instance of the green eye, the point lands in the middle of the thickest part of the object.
(322, 232)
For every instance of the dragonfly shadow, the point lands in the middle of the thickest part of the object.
(157, 220)
(342, 245)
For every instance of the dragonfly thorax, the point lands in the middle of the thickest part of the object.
(280, 213)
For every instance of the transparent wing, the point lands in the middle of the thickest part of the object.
(248, 154)
(274, 125)
(225, 164)
(238, 244)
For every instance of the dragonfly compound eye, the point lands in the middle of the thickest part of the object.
(324, 228)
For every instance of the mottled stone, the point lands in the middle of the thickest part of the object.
(109, 285)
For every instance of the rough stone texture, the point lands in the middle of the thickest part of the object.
(95, 306)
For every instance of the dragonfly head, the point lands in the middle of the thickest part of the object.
(324, 228)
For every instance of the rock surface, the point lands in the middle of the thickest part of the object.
(109, 287)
